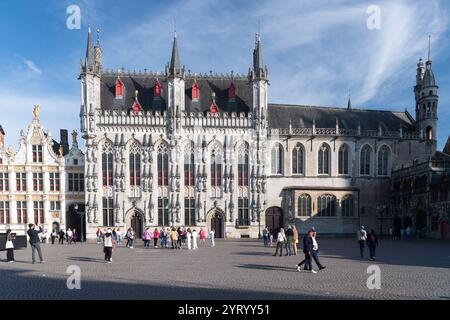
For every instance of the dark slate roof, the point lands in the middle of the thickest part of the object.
(325, 117)
(1, 130)
(145, 83)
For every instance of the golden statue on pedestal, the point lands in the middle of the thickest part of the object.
(9, 152)
(36, 111)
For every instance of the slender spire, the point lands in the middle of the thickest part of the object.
(259, 70)
(174, 67)
(89, 48)
(429, 48)
(349, 103)
(428, 78)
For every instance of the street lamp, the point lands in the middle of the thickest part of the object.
(81, 213)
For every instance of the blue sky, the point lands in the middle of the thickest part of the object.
(316, 50)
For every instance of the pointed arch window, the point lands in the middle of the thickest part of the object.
(298, 156)
(324, 159)
(195, 91)
(344, 157)
(365, 160)
(189, 165)
(119, 88)
(107, 165)
(135, 165)
(277, 157)
(304, 205)
(243, 165)
(163, 164)
(383, 161)
(326, 206)
(216, 167)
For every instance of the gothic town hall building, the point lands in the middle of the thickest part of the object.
(208, 150)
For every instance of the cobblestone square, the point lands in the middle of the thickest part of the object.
(234, 269)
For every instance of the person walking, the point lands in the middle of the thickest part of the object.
(361, 236)
(202, 235)
(69, 235)
(183, 236)
(54, 235)
(315, 251)
(270, 239)
(119, 236)
(266, 236)
(295, 240)
(162, 236)
(189, 238)
(212, 234)
(9, 246)
(108, 245)
(147, 238)
(372, 243)
(74, 236)
(194, 240)
(155, 238)
(62, 235)
(289, 239)
(130, 238)
(33, 234)
(179, 231)
(99, 235)
(168, 237)
(307, 250)
(281, 240)
(114, 234)
(174, 238)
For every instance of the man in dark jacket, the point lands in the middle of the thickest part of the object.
(307, 250)
(33, 233)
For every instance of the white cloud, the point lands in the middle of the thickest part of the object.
(315, 50)
(32, 67)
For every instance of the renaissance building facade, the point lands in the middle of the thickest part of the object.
(41, 181)
(208, 150)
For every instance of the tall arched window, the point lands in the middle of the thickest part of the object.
(107, 164)
(243, 165)
(324, 159)
(277, 156)
(365, 160)
(429, 133)
(189, 165)
(344, 156)
(304, 205)
(163, 164)
(216, 166)
(383, 161)
(347, 206)
(298, 159)
(135, 165)
(326, 206)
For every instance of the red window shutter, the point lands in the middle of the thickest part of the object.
(119, 88)
(195, 91)
(157, 89)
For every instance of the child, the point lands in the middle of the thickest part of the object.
(270, 239)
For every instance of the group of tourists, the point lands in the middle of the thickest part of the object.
(173, 238)
(69, 235)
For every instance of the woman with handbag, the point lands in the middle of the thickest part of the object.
(9, 246)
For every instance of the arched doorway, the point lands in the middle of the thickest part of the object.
(76, 219)
(218, 223)
(137, 223)
(274, 219)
